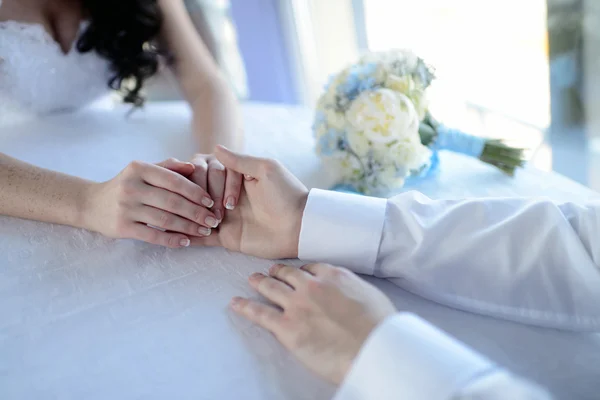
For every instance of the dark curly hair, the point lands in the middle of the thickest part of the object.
(124, 32)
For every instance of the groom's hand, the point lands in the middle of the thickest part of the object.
(267, 221)
(321, 313)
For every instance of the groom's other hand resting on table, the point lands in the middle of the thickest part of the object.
(349, 333)
(322, 314)
(267, 220)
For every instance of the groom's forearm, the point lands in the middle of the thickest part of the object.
(527, 260)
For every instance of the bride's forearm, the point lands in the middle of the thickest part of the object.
(217, 118)
(30, 192)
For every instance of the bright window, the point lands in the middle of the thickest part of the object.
(491, 57)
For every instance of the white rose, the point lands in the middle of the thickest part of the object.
(336, 120)
(404, 84)
(383, 115)
(410, 154)
(413, 90)
(391, 177)
(359, 143)
(345, 167)
(421, 103)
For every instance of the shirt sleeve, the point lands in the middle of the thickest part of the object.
(342, 229)
(527, 260)
(405, 357)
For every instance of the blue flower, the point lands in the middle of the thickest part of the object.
(320, 118)
(331, 142)
(360, 79)
(330, 81)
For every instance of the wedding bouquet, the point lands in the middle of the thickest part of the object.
(374, 129)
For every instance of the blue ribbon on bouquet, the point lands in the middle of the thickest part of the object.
(452, 140)
(458, 142)
(448, 139)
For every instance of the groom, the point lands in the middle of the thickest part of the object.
(526, 260)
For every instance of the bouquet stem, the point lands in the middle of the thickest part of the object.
(504, 157)
(495, 152)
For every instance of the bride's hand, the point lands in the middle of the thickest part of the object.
(145, 194)
(224, 186)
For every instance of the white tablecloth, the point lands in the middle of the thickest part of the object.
(84, 317)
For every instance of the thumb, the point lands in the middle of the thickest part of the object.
(241, 163)
(180, 167)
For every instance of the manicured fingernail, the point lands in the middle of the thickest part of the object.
(185, 242)
(236, 302)
(256, 276)
(248, 177)
(230, 205)
(204, 231)
(189, 163)
(219, 215)
(208, 202)
(212, 222)
(275, 268)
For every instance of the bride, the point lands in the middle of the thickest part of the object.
(56, 55)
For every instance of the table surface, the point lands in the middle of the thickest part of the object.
(85, 317)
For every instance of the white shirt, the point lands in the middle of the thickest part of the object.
(526, 260)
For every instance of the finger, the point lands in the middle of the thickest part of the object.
(209, 241)
(233, 188)
(183, 168)
(272, 289)
(241, 163)
(179, 205)
(154, 236)
(169, 222)
(263, 315)
(216, 186)
(171, 181)
(200, 177)
(292, 276)
(317, 269)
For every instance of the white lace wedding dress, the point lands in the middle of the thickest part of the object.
(37, 77)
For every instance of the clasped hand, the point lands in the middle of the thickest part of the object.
(167, 204)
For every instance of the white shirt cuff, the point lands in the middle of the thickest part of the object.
(342, 229)
(405, 357)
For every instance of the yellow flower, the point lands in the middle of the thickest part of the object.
(407, 152)
(336, 120)
(359, 143)
(391, 177)
(383, 116)
(321, 130)
(404, 85)
(410, 88)
(381, 74)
